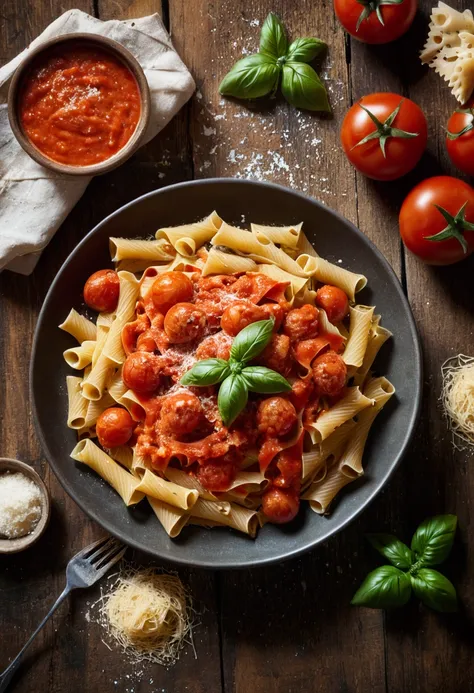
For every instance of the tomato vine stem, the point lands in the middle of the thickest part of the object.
(455, 228)
(384, 130)
(374, 6)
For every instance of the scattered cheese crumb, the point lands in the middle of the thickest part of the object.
(20, 505)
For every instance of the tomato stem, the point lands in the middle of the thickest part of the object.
(455, 228)
(374, 6)
(467, 128)
(384, 130)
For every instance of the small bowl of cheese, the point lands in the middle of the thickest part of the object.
(24, 506)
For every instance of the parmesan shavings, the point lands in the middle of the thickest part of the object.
(457, 397)
(20, 505)
(148, 614)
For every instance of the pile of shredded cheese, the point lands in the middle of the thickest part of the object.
(457, 397)
(148, 613)
(20, 505)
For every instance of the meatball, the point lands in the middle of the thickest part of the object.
(280, 505)
(301, 391)
(240, 315)
(329, 374)
(184, 323)
(218, 473)
(334, 301)
(275, 311)
(145, 342)
(114, 427)
(101, 291)
(275, 417)
(180, 414)
(277, 355)
(171, 288)
(141, 372)
(302, 323)
(217, 346)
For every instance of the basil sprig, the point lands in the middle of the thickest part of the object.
(259, 74)
(236, 378)
(390, 586)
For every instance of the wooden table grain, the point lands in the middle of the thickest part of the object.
(287, 628)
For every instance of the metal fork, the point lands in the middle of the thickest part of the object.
(85, 569)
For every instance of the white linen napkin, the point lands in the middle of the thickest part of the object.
(34, 201)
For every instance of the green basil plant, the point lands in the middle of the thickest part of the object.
(236, 378)
(411, 569)
(261, 73)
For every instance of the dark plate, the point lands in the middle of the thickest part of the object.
(335, 238)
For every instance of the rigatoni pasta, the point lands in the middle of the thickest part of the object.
(182, 299)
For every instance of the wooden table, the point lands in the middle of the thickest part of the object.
(288, 628)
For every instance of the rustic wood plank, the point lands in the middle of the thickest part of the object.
(435, 476)
(288, 633)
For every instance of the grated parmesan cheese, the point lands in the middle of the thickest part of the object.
(20, 505)
(148, 614)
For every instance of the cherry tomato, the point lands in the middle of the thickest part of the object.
(114, 427)
(101, 291)
(171, 288)
(334, 301)
(362, 18)
(460, 138)
(402, 153)
(275, 417)
(180, 414)
(329, 374)
(420, 220)
(141, 372)
(280, 505)
(302, 323)
(184, 323)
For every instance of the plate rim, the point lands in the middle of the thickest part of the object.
(232, 564)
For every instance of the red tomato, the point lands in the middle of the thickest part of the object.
(114, 427)
(101, 291)
(401, 154)
(334, 301)
(361, 18)
(461, 146)
(141, 372)
(171, 288)
(419, 219)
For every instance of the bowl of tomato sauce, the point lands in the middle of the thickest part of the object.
(79, 104)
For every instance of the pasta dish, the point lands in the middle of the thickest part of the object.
(227, 376)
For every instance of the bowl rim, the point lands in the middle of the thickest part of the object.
(18, 544)
(130, 147)
(232, 564)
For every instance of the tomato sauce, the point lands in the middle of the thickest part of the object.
(79, 105)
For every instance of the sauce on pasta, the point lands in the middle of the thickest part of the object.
(184, 317)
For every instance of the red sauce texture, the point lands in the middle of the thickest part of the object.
(79, 105)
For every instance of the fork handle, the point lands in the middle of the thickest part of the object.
(7, 675)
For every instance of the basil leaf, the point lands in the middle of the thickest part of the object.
(206, 372)
(433, 540)
(383, 588)
(233, 396)
(273, 41)
(394, 550)
(264, 380)
(304, 50)
(252, 340)
(253, 76)
(434, 590)
(302, 87)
